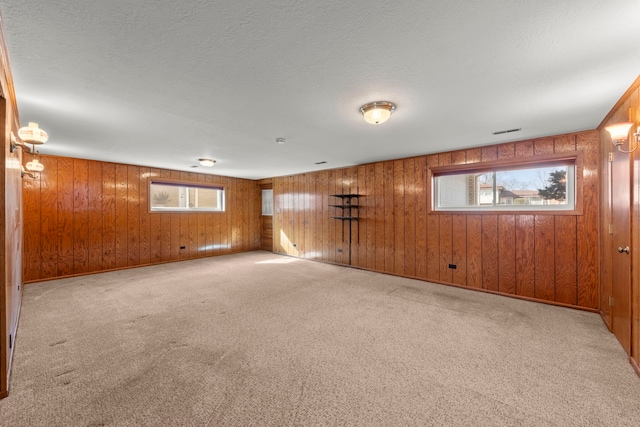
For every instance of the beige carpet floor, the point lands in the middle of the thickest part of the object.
(257, 339)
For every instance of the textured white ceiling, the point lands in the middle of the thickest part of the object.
(162, 83)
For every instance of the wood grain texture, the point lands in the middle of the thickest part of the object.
(389, 218)
(399, 215)
(507, 254)
(459, 249)
(490, 252)
(587, 231)
(566, 283)
(525, 255)
(545, 257)
(409, 214)
(65, 217)
(446, 248)
(474, 251)
(80, 216)
(94, 216)
(420, 174)
(433, 236)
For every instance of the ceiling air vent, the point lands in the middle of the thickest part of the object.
(500, 132)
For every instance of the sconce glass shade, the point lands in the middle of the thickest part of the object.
(35, 166)
(207, 162)
(619, 131)
(377, 112)
(32, 134)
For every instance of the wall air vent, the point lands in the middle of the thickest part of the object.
(500, 132)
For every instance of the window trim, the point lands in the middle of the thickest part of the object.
(192, 184)
(547, 160)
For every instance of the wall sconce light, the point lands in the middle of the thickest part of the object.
(35, 166)
(24, 173)
(620, 134)
(31, 134)
(377, 112)
(207, 162)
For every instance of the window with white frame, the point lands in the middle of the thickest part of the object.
(177, 197)
(544, 185)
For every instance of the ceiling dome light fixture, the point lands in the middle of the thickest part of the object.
(207, 162)
(377, 112)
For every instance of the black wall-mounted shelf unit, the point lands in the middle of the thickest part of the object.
(350, 213)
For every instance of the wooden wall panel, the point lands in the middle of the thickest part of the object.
(144, 218)
(523, 255)
(398, 216)
(32, 218)
(420, 173)
(507, 254)
(446, 248)
(121, 210)
(433, 235)
(490, 252)
(565, 254)
(409, 214)
(108, 215)
(545, 257)
(80, 216)
(474, 251)
(65, 217)
(133, 215)
(459, 249)
(94, 216)
(588, 254)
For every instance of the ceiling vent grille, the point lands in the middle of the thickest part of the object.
(500, 132)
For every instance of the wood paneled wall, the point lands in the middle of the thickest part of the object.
(84, 216)
(10, 220)
(546, 257)
(627, 108)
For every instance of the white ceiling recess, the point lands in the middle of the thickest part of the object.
(162, 83)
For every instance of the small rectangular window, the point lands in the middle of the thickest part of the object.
(176, 197)
(545, 185)
(267, 202)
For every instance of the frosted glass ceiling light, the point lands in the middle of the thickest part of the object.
(619, 135)
(207, 162)
(377, 112)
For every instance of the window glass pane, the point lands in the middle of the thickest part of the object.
(525, 188)
(180, 197)
(267, 202)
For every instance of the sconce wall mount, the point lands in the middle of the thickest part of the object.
(620, 134)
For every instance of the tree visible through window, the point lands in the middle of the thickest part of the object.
(556, 189)
(524, 187)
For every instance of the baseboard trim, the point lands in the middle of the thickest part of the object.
(606, 321)
(635, 365)
(559, 304)
(89, 273)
